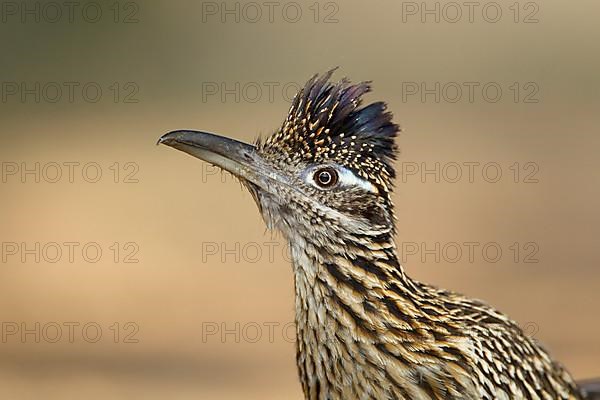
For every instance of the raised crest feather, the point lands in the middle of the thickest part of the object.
(327, 123)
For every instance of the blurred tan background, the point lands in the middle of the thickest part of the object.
(190, 297)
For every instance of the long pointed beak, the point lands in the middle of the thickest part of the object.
(236, 157)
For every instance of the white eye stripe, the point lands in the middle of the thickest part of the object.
(348, 178)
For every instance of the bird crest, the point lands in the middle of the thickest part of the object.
(326, 123)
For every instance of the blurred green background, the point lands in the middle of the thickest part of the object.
(190, 297)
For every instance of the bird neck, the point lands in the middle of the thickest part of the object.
(352, 282)
(361, 264)
(351, 303)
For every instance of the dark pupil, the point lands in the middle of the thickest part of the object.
(325, 177)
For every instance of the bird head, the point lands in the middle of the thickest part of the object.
(329, 165)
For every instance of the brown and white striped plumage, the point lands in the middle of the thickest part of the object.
(365, 330)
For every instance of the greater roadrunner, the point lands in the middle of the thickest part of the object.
(366, 330)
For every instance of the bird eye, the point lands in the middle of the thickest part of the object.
(326, 177)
